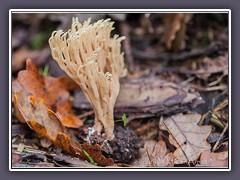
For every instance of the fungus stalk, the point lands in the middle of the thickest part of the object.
(94, 60)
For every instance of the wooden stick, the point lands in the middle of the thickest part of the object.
(220, 137)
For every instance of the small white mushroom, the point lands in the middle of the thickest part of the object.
(94, 60)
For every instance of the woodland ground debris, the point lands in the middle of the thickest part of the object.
(177, 71)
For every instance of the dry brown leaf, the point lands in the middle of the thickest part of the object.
(64, 111)
(38, 116)
(186, 136)
(159, 156)
(16, 87)
(210, 159)
(154, 154)
(143, 160)
(54, 92)
(46, 123)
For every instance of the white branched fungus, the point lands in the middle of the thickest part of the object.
(94, 60)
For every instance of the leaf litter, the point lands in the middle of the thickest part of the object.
(46, 123)
(54, 92)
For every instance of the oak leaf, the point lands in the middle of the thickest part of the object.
(186, 136)
(154, 154)
(54, 92)
(47, 124)
(159, 156)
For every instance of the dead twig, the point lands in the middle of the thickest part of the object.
(88, 113)
(213, 88)
(221, 105)
(219, 79)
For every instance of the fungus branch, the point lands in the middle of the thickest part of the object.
(94, 60)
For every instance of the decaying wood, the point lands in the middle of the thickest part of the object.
(37, 159)
(148, 96)
(63, 160)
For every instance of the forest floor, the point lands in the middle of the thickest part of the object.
(172, 109)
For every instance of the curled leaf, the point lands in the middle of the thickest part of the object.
(47, 124)
(54, 92)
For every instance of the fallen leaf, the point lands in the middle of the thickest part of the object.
(54, 92)
(16, 87)
(159, 155)
(46, 123)
(143, 160)
(210, 159)
(64, 111)
(154, 154)
(38, 116)
(186, 136)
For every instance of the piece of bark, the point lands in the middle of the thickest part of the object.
(148, 96)
(45, 159)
